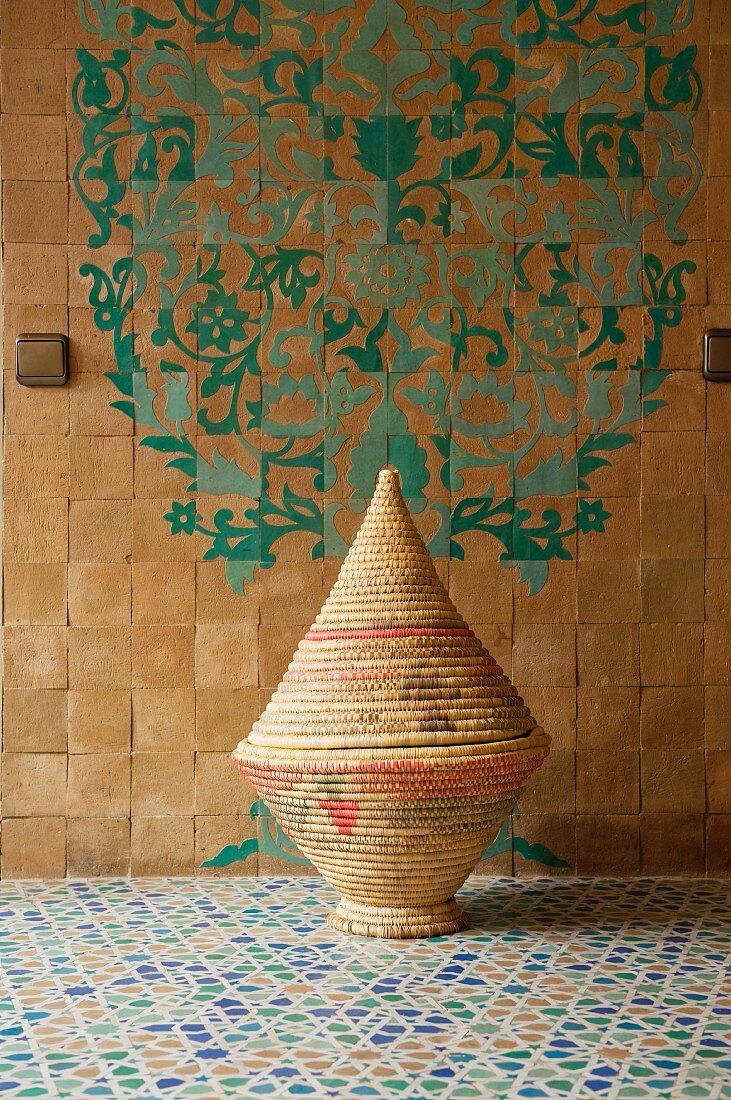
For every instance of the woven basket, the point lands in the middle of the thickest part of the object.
(394, 746)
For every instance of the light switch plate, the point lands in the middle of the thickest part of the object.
(717, 355)
(42, 358)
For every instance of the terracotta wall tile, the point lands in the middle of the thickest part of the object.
(99, 785)
(608, 654)
(224, 716)
(672, 590)
(98, 847)
(34, 720)
(162, 845)
(99, 721)
(162, 656)
(33, 81)
(608, 592)
(163, 592)
(716, 649)
(671, 653)
(226, 656)
(219, 788)
(36, 466)
(671, 716)
(99, 657)
(607, 782)
(35, 273)
(718, 526)
(718, 780)
(28, 26)
(608, 717)
(40, 411)
(718, 844)
(673, 527)
(35, 212)
(34, 784)
(35, 593)
(673, 779)
(100, 530)
(484, 595)
(150, 534)
(33, 847)
(673, 462)
(90, 412)
(163, 719)
(100, 468)
(162, 784)
(33, 147)
(100, 594)
(718, 717)
(540, 661)
(36, 530)
(672, 844)
(557, 832)
(608, 845)
(35, 656)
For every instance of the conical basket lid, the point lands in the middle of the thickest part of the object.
(389, 661)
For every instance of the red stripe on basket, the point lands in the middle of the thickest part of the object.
(345, 672)
(343, 814)
(392, 632)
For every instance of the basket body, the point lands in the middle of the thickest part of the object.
(395, 835)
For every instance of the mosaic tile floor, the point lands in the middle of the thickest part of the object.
(214, 988)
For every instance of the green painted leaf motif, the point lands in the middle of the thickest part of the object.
(598, 401)
(238, 573)
(403, 142)
(672, 81)
(369, 358)
(282, 272)
(223, 477)
(306, 79)
(371, 141)
(551, 149)
(176, 388)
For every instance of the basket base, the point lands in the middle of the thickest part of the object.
(398, 923)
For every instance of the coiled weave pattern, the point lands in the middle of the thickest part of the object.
(394, 746)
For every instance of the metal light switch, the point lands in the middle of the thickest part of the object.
(42, 358)
(717, 355)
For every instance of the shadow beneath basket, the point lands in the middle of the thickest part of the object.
(500, 905)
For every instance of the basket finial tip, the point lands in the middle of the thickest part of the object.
(389, 474)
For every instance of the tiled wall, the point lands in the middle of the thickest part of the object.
(479, 242)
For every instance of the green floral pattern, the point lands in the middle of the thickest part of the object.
(448, 236)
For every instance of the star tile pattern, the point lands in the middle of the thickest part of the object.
(237, 988)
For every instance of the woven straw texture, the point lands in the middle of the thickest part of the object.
(395, 745)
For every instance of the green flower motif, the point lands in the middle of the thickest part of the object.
(558, 224)
(554, 329)
(591, 516)
(216, 226)
(451, 217)
(386, 275)
(324, 218)
(182, 517)
(292, 407)
(220, 322)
